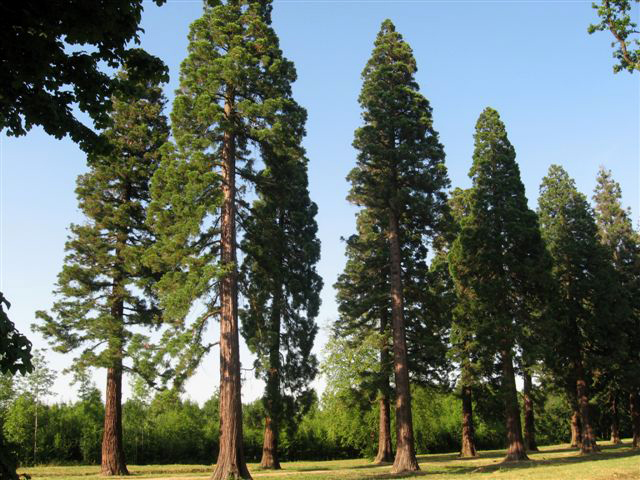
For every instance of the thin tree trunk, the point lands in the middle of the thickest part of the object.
(231, 463)
(634, 409)
(272, 398)
(588, 444)
(515, 445)
(405, 459)
(615, 423)
(113, 461)
(529, 420)
(468, 448)
(385, 450)
(576, 430)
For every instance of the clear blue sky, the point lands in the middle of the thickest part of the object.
(531, 60)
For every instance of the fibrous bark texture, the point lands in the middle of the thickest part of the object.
(385, 451)
(231, 463)
(515, 445)
(588, 444)
(113, 462)
(468, 448)
(405, 460)
(576, 430)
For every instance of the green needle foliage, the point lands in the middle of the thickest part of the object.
(51, 58)
(400, 177)
(233, 107)
(281, 286)
(499, 264)
(623, 244)
(104, 289)
(587, 296)
(615, 16)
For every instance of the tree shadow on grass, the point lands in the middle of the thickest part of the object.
(608, 452)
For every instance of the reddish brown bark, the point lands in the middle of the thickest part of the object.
(270, 446)
(588, 443)
(529, 419)
(615, 422)
(634, 409)
(405, 459)
(231, 463)
(113, 462)
(468, 448)
(272, 393)
(515, 445)
(576, 431)
(385, 451)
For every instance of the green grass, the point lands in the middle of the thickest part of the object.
(552, 462)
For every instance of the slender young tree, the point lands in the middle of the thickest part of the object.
(584, 282)
(282, 289)
(400, 176)
(233, 106)
(103, 289)
(623, 245)
(499, 239)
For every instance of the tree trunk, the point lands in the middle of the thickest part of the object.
(634, 409)
(385, 450)
(272, 399)
(270, 446)
(588, 444)
(576, 431)
(113, 462)
(468, 448)
(231, 463)
(405, 459)
(515, 445)
(529, 420)
(615, 424)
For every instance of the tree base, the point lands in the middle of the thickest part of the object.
(383, 458)
(270, 465)
(120, 471)
(517, 456)
(405, 462)
(616, 441)
(230, 473)
(589, 450)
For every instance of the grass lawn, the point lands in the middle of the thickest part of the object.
(552, 462)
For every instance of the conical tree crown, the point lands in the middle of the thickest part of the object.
(400, 162)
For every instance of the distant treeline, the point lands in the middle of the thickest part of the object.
(168, 429)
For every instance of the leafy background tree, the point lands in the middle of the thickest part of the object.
(615, 16)
(42, 77)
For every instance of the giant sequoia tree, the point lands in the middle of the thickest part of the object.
(103, 288)
(281, 285)
(400, 178)
(499, 263)
(233, 107)
(583, 279)
(623, 244)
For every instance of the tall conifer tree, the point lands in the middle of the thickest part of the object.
(499, 262)
(583, 279)
(400, 177)
(282, 288)
(233, 107)
(103, 289)
(623, 244)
